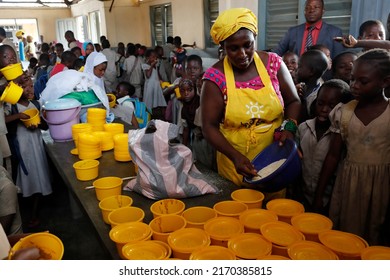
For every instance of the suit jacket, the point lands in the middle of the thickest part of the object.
(292, 40)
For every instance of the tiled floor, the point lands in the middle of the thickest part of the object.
(78, 235)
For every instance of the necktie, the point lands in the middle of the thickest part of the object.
(309, 39)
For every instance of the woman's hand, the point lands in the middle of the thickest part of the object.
(244, 167)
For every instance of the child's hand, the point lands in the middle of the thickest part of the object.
(23, 116)
(301, 88)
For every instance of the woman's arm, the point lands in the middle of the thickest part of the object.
(328, 169)
(212, 110)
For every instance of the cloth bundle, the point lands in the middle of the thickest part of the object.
(165, 166)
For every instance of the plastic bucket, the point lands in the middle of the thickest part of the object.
(112, 203)
(49, 245)
(12, 93)
(61, 115)
(34, 118)
(86, 169)
(12, 71)
(107, 186)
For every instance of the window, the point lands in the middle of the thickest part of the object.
(211, 12)
(161, 23)
(95, 30)
(30, 27)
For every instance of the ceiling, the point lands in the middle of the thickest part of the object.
(37, 3)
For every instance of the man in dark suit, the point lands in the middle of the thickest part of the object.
(321, 33)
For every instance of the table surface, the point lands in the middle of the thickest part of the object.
(59, 153)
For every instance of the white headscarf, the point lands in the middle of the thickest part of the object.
(94, 59)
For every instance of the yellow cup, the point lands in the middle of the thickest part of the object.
(164, 225)
(252, 198)
(125, 215)
(12, 71)
(34, 118)
(285, 208)
(87, 169)
(221, 229)
(230, 208)
(197, 216)
(111, 99)
(107, 186)
(167, 206)
(50, 246)
(112, 203)
(11, 93)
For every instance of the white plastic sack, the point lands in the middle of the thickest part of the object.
(165, 166)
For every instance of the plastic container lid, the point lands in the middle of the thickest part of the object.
(281, 233)
(376, 253)
(309, 250)
(144, 250)
(250, 246)
(223, 228)
(285, 207)
(213, 252)
(342, 242)
(187, 240)
(61, 104)
(311, 223)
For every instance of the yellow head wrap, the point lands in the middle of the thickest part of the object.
(230, 21)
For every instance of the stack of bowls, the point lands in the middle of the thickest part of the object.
(88, 146)
(121, 147)
(97, 118)
(76, 129)
(129, 233)
(114, 128)
(106, 140)
(281, 235)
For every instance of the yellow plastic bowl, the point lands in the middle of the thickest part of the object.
(230, 208)
(310, 224)
(197, 216)
(125, 215)
(111, 99)
(96, 114)
(347, 246)
(275, 258)
(114, 202)
(34, 118)
(167, 206)
(281, 233)
(129, 233)
(163, 226)
(87, 169)
(221, 229)
(107, 186)
(252, 198)
(11, 93)
(49, 245)
(145, 250)
(253, 219)
(250, 246)
(80, 128)
(12, 71)
(114, 128)
(165, 85)
(310, 250)
(213, 252)
(285, 208)
(185, 241)
(375, 253)
(106, 141)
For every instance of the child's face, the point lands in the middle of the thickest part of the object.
(367, 81)
(193, 69)
(8, 57)
(121, 91)
(374, 32)
(327, 99)
(343, 69)
(89, 49)
(100, 69)
(28, 87)
(303, 70)
(59, 51)
(291, 61)
(187, 92)
(152, 58)
(326, 51)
